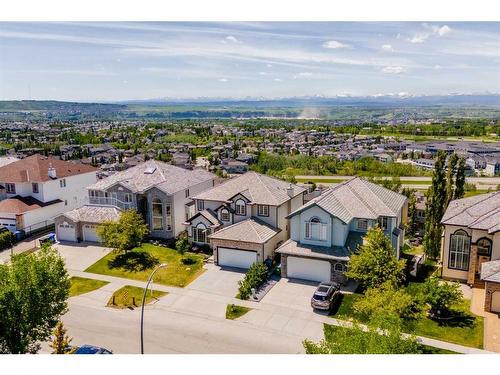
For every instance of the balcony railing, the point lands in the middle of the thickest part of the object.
(109, 201)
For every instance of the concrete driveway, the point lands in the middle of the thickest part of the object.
(79, 256)
(292, 293)
(218, 280)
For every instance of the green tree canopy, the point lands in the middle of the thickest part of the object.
(33, 293)
(126, 233)
(441, 295)
(375, 261)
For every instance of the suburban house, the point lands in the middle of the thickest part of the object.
(244, 218)
(36, 189)
(160, 192)
(328, 229)
(470, 250)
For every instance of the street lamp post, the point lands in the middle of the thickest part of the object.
(163, 265)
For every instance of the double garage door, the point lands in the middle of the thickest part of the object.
(308, 269)
(229, 257)
(67, 232)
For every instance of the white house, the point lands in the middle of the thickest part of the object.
(327, 229)
(36, 189)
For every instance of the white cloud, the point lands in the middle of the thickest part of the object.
(222, 80)
(443, 30)
(434, 30)
(231, 39)
(437, 66)
(387, 47)
(393, 70)
(302, 75)
(419, 38)
(269, 65)
(333, 44)
(277, 80)
(262, 73)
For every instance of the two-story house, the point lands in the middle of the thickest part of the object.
(160, 192)
(470, 249)
(244, 218)
(36, 189)
(327, 229)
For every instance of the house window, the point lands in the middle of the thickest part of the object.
(362, 224)
(200, 205)
(459, 251)
(224, 215)
(315, 230)
(339, 267)
(93, 194)
(262, 210)
(168, 214)
(484, 246)
(157, 214)
(241, 208)
(65, 202)
(34, 187)
(383, 222)
(10, 188)
(200, 233)
(128, 198)
(186, 192)
(62, 182)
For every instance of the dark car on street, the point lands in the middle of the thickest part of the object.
(90, 349)
(325, 295)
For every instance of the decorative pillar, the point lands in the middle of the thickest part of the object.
(471, 277)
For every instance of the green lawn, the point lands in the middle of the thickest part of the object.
(330, 331)
(131, 296)
(81, 285)
(321, 180)
(138, 263)
(466, 329)
(472, 193)
(235, 311)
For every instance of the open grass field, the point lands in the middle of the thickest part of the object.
(138, 263)
(131, 296)
(82, 285)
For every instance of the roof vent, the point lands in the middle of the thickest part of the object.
(149, 170)
(52, 172)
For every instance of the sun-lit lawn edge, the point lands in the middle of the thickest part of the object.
(235, 311)
(131, 296)
(82, 285)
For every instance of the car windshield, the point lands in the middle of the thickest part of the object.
(319, 297)
(322, 289)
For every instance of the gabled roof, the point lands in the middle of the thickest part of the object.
(35, 168)
(250, 230)
(207, 214)
(260, 189)
(478, 212)
(153, 173)
(357, 198)
(93, 214)
(19, 205)
(490, 271)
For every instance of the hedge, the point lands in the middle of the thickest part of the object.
(254, 278)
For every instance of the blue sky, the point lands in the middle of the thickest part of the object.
(120, 61)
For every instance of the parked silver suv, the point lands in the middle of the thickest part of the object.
(325, 295)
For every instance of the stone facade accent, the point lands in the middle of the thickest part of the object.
(471, 275)
(490, 289)
(337, 276)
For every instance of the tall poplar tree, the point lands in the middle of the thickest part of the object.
(450, 174)
(460, 180)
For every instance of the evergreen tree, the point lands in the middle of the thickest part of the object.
(450, 183)
(460, 180)
(61, 341)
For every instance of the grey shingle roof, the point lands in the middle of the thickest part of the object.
(357, 198)
(490, 271)
(250, 230)
(258, 188)
(165, 177)
(93, 214)
(478, 212)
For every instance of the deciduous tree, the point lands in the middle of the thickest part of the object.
(124, 234)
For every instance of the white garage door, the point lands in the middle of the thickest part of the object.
(90, 233)
(66, 232)
(236, 258)
(495, 302)
(308, 269)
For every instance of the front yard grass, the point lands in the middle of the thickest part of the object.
(138, 263)
(81, 285)
(131, 296)
(235, 311)
(466, 329)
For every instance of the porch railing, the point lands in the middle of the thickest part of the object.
(110, 201)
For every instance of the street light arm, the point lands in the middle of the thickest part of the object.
(163, 265)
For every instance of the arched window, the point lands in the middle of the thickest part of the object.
(459, 250)
(315, 230)
(157, 214)
(241, 207)
(224, 215)
(200, 233)
(484, 246)
(339, 267)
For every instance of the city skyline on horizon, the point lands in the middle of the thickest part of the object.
(114, 61)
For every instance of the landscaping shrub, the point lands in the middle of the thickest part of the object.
(187, 261)
(254, 278)
(6, 239)
(441, 295)
(182, 243)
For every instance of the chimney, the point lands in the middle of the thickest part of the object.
(289, 190)
(52, 172)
